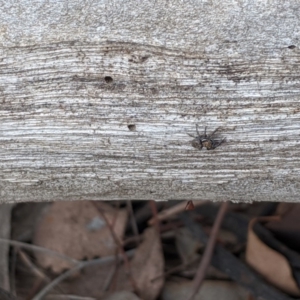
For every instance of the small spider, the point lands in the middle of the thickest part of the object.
(205, 140)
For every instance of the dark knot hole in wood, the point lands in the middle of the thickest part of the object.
(131, 127)
(108, 79)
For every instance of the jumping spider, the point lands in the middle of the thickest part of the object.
(205, 140)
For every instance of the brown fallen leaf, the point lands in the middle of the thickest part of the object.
(76, 229)
(287, 229)
(187, 246)
(124, 295)
(272, 265)
(147, 264)
(98, 281)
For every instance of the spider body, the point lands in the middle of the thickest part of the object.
(206, 140)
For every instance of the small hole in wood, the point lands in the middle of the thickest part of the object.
(131, 127)
(292, 47)
(108, 79)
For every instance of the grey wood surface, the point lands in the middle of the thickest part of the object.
(97, 99)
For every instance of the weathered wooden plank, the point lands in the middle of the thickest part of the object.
(97, 100)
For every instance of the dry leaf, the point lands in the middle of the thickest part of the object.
(96, 280)
(147, 264)
(272, 265)
(188, 249)
(77, 229)
(287, 229)
(187, 246)
(124, 295)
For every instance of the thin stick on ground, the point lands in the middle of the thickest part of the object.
(134, 226)
(41, 276)
(5, 229)
(35, 270)
(176, 269)
(78, 267)
(13, 260)
(39, 249)
(110, 277)
(120, 247)
(208, 252)
(156, 222)
(167, 213)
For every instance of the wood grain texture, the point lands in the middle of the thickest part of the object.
(75, 78)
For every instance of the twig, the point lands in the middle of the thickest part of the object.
(119, 245)
(176, 269)
(143, 214)
(208, 252)
(110, 277)
(78, 267)
(228, 263)
(164, 228)
(113, 283)
(156, 222)
(134, 226)
(165, 214)
(39, 249)
(5, 228)
(115, 217)
(13, 264)
(136, 239)
(32, 267)
(5, 295)
(37, 285)
(42, 277)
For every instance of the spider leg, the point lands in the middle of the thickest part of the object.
(205, 135)
(190, 135)
(197, 130)
(218, 143)
(213, 132)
